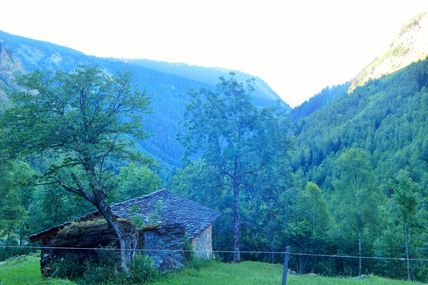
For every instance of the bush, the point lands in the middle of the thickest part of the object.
(97, 273)
(66, 267)
(105, 269)
(7, 252)
(100, 271)
(142, 271)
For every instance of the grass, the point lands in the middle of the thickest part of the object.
(26, 271)
(256, 273)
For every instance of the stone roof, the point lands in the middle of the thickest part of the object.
(160, 207)
(166, 208)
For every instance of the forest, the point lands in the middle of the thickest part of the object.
(343, 174)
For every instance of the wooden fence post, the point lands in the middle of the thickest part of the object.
(285, 269)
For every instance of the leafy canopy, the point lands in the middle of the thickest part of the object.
(85, 122)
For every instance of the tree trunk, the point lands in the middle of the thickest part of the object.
(301, 264)
(360, 261)
(406, 237)
(128, 241)
(236, 223)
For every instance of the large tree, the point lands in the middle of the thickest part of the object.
(406, 205)
(82, 125)
(240, 142)
(356, 196)
(220, 125)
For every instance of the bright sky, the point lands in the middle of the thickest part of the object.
(298, 47)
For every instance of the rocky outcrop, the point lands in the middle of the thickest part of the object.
(9, 68)
(410, 45)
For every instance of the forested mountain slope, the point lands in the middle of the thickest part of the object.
(324, 98)
(167, 87)
(263, 94)
(387, 117)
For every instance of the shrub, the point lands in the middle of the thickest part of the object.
(7, 252)
(100, 271)
(68, 266)
(97, 273)
(142, 271)
(104, 269)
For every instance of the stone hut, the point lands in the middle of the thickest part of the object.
(166, 223)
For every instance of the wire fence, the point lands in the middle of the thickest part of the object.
(215, 252)
(299, 262)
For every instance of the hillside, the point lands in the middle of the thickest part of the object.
(165, 85)
(387, 117)
(342, 179)
(324, 98)
(409, 46)
(263, 94)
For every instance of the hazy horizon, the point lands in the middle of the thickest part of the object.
(296, 48)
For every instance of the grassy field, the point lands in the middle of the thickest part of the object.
(257, 273)
(25, 271)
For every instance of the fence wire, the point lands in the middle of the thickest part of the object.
(218, 251)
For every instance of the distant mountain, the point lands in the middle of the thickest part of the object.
(166, 84)
(264, 95)
(410, 46)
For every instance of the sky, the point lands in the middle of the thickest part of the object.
(298, 47)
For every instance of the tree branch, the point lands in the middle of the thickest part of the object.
(81, 189)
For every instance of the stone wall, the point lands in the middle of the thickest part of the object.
(78, 242)
(202, 244)
(165, 246)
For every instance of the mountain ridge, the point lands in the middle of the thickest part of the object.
(167, 90)
(410, 45)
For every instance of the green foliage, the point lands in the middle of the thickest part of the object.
(142, 271)
(405, 198)
(356, 198)
(134, 181)
(51, 206)
(67, 268)
(356, 168)
(14, 178)
(241, 150)
(102, 269)
(80, 123)
(95, 273)
(357, 148)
